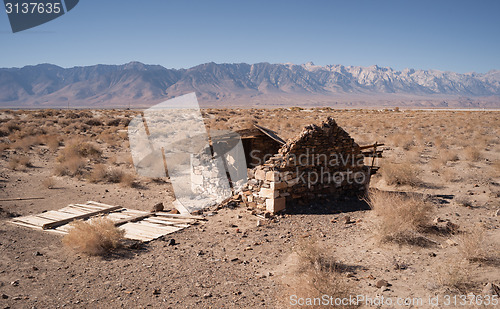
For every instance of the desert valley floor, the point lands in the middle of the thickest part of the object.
(448, 160)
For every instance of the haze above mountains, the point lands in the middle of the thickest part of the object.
(138, 85)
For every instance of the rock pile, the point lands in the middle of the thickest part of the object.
(322, 161)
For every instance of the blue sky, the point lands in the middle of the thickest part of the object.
(460, 36)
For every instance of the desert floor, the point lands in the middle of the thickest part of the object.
(450, 160)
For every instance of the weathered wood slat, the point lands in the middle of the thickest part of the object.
(370, 146)
(55, 215)
(72, 210)
(166, 222)
(166, 214)
(84, 216)
(33, 220)
(132, 219)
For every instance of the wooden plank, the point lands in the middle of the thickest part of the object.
(26, 224)
(83, 216)
(167, 222)
(370, 146)
(93, 207)
(36, 221)
(166, 214)
(142, 230)
(98, 204)
(132, 219)
(21, 199)
(55, 215)
(271, 134)
(72, 210)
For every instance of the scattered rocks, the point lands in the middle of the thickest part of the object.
(15, 283)
(158, 207)
(37, 253)
(171, 242)
(5, 296)
(382, 283)
(157, 291)
(174, 211)
(347, 220)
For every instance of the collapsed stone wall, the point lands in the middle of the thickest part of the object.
(322, 161)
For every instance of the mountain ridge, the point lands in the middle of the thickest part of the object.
(260, 84)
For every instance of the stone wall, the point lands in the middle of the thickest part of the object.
(322, 161)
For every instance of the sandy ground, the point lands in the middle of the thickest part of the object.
(229, 261)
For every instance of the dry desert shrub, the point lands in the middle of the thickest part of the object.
(315, 276)
(401, 216)
(472, 153)
(49, 182)
(96, 236)
(27, 142)
(53, 142)
(463, 200)
(446, 156)
(453, 273)
(451, 176)
(79, 149)
(101, 173)
(404, 141)
(19, 162)
(472, 245)
(401, 174)
(73, 166)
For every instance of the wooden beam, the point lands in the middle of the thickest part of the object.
(370, 146)
(179, 216)
(133, 219)
(55, 224)
(21, 199)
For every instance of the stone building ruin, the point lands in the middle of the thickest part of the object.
(321, 161)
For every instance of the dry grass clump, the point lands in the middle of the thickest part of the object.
(472, 154)
(401, 174)
(315, 276)
(53, 142)
(453, 273)
(101, 173)
(96, 236)
(464, 200)
(27, 142)
(451, 176)
(49, 182)
(74, 166)
(19, 162)
(472, 244)
(405, 141)
(447, 155)
(79, 149)
(401, 216)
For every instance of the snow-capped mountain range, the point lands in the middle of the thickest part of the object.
(242, 84)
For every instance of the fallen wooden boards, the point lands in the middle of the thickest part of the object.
(138, 225)
(54, 218)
